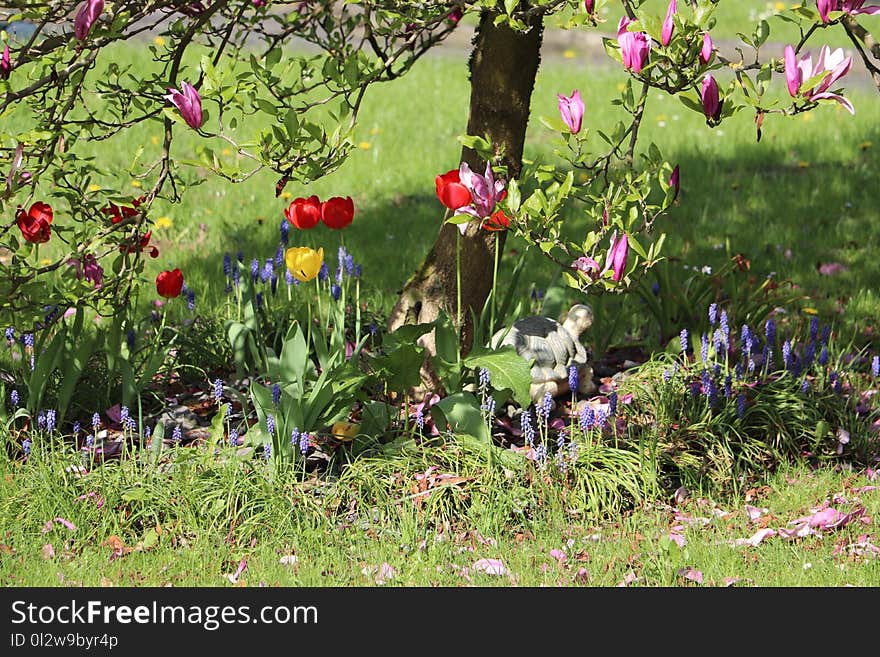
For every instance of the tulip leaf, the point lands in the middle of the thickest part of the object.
(156, 444)
(513, 195)
(461, 413)
(507, 369)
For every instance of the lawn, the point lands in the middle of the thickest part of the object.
(799, 205)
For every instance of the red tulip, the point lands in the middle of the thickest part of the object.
(117, 213)
(140, 245)
(337, 212)
(498, 221)
(450, 191)
(35, 224)
(169, 283)
(304, 213)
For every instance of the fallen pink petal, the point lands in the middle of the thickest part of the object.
(756, 539)
(754, 513)
(628, 579)
(559, 555)
(831, 268)
(677, 538)
(691, 574)
(490, 567)
(238, 571)
(69, 525)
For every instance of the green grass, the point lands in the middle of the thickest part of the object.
(189, 527)
(806, 187)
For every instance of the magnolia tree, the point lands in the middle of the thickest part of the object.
(281, 84)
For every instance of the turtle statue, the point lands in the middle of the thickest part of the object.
(554, 347)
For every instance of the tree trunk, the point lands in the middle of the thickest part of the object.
(503, 67)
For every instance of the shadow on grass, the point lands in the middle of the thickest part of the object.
(804, 213)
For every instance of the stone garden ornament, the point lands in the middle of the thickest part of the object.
(554, 347)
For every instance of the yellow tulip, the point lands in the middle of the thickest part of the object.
(304, 263)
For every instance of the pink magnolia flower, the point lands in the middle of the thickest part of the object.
(831, 62)
(587, 265)
(589, 5)
(634, 46)
(852, 7)
(86, 16)
(710, 98)
(674, 182)
(188, 101)
(617, 255)
(825, 7)
(485, 193)
(572, 110)
(89, 269)
(706, 52)
(5, 64)
(793, 75)
(668, 25)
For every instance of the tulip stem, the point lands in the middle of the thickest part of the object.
(458, 292)
(494, 283)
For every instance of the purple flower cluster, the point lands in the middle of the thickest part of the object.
(731, 375)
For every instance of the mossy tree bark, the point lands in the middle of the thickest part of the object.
(503, 67)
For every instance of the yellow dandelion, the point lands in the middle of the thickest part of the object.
(375, 130)
(94, 188)
(865, 145)
(226, 152)
(621, 86)
(159, 41)
(806, 116)
(154, 140)
(803, 164)
(45, 261)
(135, 183)
(568, 53)
(811, 311)
(164, 222)
(364, 145)
(661, 118)
(286, 195)
(779, 6)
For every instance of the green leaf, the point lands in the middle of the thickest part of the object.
(400, 368)
(156, 445)
(461, 412)
(513, 195)
(218, 429)
(446, 338)
(508, 370)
